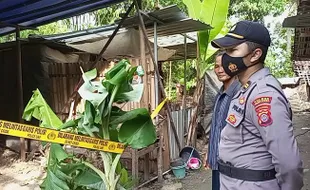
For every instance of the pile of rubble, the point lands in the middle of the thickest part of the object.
(298, 98)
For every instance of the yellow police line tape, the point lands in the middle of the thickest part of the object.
(60, 137)
(53, 136)
(158, 108)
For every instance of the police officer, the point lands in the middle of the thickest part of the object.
(257, 150)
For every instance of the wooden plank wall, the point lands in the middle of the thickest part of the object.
(63, 79)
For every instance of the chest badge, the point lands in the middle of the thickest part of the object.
(232, 119)
(242, 100)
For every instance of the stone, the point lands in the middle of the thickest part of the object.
(174, 186)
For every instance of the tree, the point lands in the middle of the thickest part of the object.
(52, 28)
(256, 10)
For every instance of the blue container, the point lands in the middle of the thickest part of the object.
(178, 168)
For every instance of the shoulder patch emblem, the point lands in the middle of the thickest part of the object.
(262, 100)
(264, 115)
(232, 119)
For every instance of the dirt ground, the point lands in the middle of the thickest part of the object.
(16, 175)
(201, 180)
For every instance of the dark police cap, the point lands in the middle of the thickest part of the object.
(244, 31)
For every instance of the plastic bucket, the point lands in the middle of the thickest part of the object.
(189, 152)
(178, 168)
(194, 163)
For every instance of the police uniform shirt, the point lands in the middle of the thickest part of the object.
(259, 136)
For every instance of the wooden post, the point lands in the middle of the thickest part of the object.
(146, 166)
(145, 97)
(184, 91)
(161, 86)
(135, 166)
(20, 91)
(160, 155)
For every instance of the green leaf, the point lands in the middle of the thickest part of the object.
(206, 64)
(90, 75)
(120, 77)
(114, 70)
(61, 175)
(113, 135)
(214, 13)
(131, 73)
(133, 96)
(216, 18)
(95, 93)
(52, 182)
(84, 127)
(138, 133)
(90, 179)
(108, 85)
(124, 177)
(71, 123)
(57, 154)
(72, 167)
(101, 112)
(89, 114)
(203, 41)
(39, 109)
(194, 8)
(116, 112)
(131, 115)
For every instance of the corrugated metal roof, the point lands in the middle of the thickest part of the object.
(83, 35)
(170, 20)
(34, 13)
(173, 23)
(175, 42)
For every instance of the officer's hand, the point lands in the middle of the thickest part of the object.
(205, 164)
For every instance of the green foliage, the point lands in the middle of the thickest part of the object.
(52, 28)
(256, 9)
(102, 120)
(213, 12)
(39, 109)
(209, 12)
(279, 56)
(177, 76)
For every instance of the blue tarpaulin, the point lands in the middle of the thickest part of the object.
(35, 13)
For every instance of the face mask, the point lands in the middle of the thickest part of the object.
(233, 65)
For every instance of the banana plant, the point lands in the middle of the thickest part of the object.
(214, 13)
(101, 119)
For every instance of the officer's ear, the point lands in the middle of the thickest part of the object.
(256, 55)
